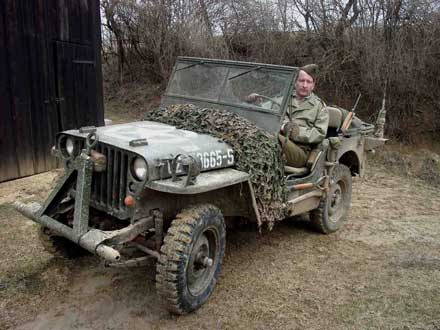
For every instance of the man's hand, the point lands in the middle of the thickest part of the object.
(291, 130)
(254, 98)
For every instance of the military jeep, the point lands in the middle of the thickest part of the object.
(149, 190)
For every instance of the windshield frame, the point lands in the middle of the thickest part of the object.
(248, 66)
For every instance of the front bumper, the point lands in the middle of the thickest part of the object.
(96, 241)
(99, 242)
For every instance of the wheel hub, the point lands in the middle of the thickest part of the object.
(336, 201)
(200, 266)
(203, 261)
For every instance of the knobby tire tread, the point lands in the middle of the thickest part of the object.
(174, 251)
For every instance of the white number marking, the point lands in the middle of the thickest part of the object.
(218, 157)
(215, 158)
(230, 156)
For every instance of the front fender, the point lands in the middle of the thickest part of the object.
(228, 189)
(206, 181)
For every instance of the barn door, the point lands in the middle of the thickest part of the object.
(76, 92)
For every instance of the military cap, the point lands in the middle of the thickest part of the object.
(311, 70)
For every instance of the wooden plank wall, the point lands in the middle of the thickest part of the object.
(8, 157)
(50, 78)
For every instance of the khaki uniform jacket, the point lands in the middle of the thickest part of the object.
(312, 117)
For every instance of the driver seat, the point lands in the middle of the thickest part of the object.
(312, 160)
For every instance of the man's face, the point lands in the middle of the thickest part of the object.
(304, 84)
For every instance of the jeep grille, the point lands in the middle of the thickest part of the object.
(109, 187)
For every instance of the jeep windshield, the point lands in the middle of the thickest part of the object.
(231, 83)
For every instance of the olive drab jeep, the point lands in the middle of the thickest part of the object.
(166, 188)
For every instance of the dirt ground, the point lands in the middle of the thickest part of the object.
(381, 271)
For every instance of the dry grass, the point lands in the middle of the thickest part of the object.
(131, 101)
(422, 161)
(381, 271)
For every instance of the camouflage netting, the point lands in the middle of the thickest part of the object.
(256, 151)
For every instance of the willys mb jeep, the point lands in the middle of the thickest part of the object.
(143, 190)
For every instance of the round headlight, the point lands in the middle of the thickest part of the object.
(140, 169)
(70, 146)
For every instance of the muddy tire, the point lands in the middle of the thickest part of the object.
(59, 246)
(191, 258)
(332, 210)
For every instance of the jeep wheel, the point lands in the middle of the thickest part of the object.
(332, 210)
(191, 258)
(59, 246)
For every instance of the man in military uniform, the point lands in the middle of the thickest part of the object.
(307, 119)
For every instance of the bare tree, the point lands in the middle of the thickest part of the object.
(359, 44)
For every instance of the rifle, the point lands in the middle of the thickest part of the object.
(347, 121)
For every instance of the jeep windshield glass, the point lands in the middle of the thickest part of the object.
(243, 73)
(226, 84)
(197, 81)
(258, 88)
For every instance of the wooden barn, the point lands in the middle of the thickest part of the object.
(50, 78)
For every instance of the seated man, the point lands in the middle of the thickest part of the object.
(307, 119)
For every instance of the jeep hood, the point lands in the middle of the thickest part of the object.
(164, 142)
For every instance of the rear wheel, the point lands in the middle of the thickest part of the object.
(332, 210)
(191, 258)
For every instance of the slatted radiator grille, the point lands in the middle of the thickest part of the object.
(109, 188)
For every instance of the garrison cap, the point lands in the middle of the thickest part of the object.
(311, 70)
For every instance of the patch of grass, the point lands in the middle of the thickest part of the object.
(131, 101)
(20, 264)
(28, 281)
(5, 210)
(28, 275)
(418, 162)
(393, 298)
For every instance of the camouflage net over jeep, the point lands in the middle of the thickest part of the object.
(256, 151)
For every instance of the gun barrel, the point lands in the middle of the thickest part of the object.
(383, 101)
(356, 103)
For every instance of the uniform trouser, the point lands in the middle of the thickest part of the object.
(295, 156)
